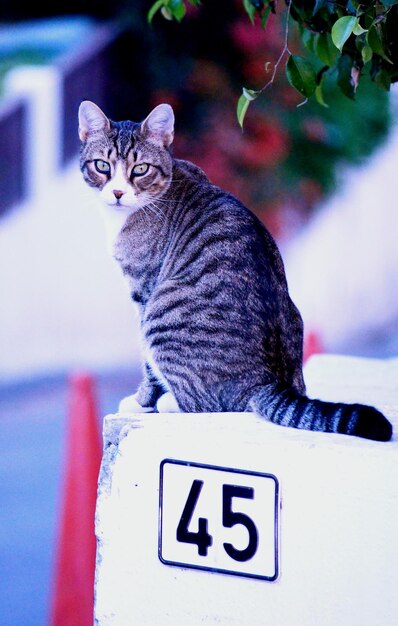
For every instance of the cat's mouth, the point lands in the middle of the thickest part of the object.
(120, 206)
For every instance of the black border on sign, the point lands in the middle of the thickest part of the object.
(214, 569)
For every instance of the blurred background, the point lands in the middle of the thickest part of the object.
(322, 179)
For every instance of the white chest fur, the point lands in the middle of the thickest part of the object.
(114, 220)
(115, 215)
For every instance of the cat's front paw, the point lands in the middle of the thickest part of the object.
(167, 404)
(130, 404)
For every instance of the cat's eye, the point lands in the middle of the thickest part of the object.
(102, 166)
(140, 169)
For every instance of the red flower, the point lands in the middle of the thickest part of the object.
(252, 39)
(164, 95)
(254, 71)
(264, 143)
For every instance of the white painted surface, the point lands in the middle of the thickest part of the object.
(64, 302)
(41, 88)
(338, 518)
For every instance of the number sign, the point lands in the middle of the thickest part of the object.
(219, 519)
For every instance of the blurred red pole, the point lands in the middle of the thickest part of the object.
(73, 591)
(312, 345)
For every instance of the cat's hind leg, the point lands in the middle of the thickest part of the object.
(145, 398)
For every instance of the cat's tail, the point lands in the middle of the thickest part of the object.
(288, 408)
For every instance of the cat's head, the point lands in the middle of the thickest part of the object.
(129, 163)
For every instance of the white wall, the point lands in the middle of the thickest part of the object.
(63, 299)
(338, 549)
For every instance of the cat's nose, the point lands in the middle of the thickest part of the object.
(118, 193)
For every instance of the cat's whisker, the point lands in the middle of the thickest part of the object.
(161, 201)
(156, 210)
(158, 213)
(143, 214)
(154, 204)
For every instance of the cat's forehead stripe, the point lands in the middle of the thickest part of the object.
(125, 139)
(130, 148)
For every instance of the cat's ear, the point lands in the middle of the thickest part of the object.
(159, 125)
(91, 119)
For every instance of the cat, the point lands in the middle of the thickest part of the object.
(220, 332)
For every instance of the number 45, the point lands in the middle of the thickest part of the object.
(230, 518)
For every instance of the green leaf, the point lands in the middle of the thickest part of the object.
(265, 16)
(154, 9)
(388, 3)
(319, 95)
(177, 9)
(326, 50)
(301, 75)
(367, 53)
(308, 39)
(358, 30)
(342, 29)
(180, 12)
(165, 11)
(250, 94)
(374, 40)
(250, 10)
(241, 109)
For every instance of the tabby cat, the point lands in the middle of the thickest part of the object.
(220, 331)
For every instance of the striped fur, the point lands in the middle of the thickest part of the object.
(220, 330)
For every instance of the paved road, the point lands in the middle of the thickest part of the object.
(32, 425)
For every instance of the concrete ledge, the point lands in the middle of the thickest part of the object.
(338, 515)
